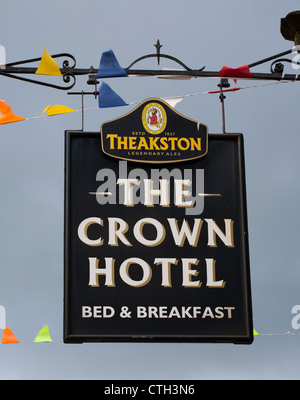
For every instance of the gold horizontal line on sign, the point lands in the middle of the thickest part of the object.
(209, 195)
(101, 193)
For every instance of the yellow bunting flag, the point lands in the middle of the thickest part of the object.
(48, 66)
(8, 336)
(57, 109)
(43, 335)
(7, 116)
(255, 333)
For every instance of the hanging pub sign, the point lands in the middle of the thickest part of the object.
(159, 135)
(156, 242)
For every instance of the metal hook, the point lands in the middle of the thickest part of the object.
(223, 83)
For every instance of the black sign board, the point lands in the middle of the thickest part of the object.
(156, 253)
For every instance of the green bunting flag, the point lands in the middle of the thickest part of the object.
(43, 335)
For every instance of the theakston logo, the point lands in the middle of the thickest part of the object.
(154, 118)
(155, 133)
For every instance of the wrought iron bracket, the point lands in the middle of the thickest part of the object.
(16, 70)
(158, 55)
(275, 73)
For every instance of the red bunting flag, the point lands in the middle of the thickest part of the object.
(241, 72)
(224, 90)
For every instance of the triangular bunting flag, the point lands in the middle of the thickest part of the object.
(255, 333)
(241, 72)
(48, 66)
(43, 335)
(7, 116)
(109, 66)
(8, 337)
(172, 101)
(57, 109)
(108, 98)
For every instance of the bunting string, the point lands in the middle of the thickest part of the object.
(43, 336)
(289, 333)
(8, 336)
(108, 98)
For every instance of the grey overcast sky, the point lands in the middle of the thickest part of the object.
(200, 33)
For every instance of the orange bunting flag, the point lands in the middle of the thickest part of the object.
(8, 336)
(7, 116)
(48, 66)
